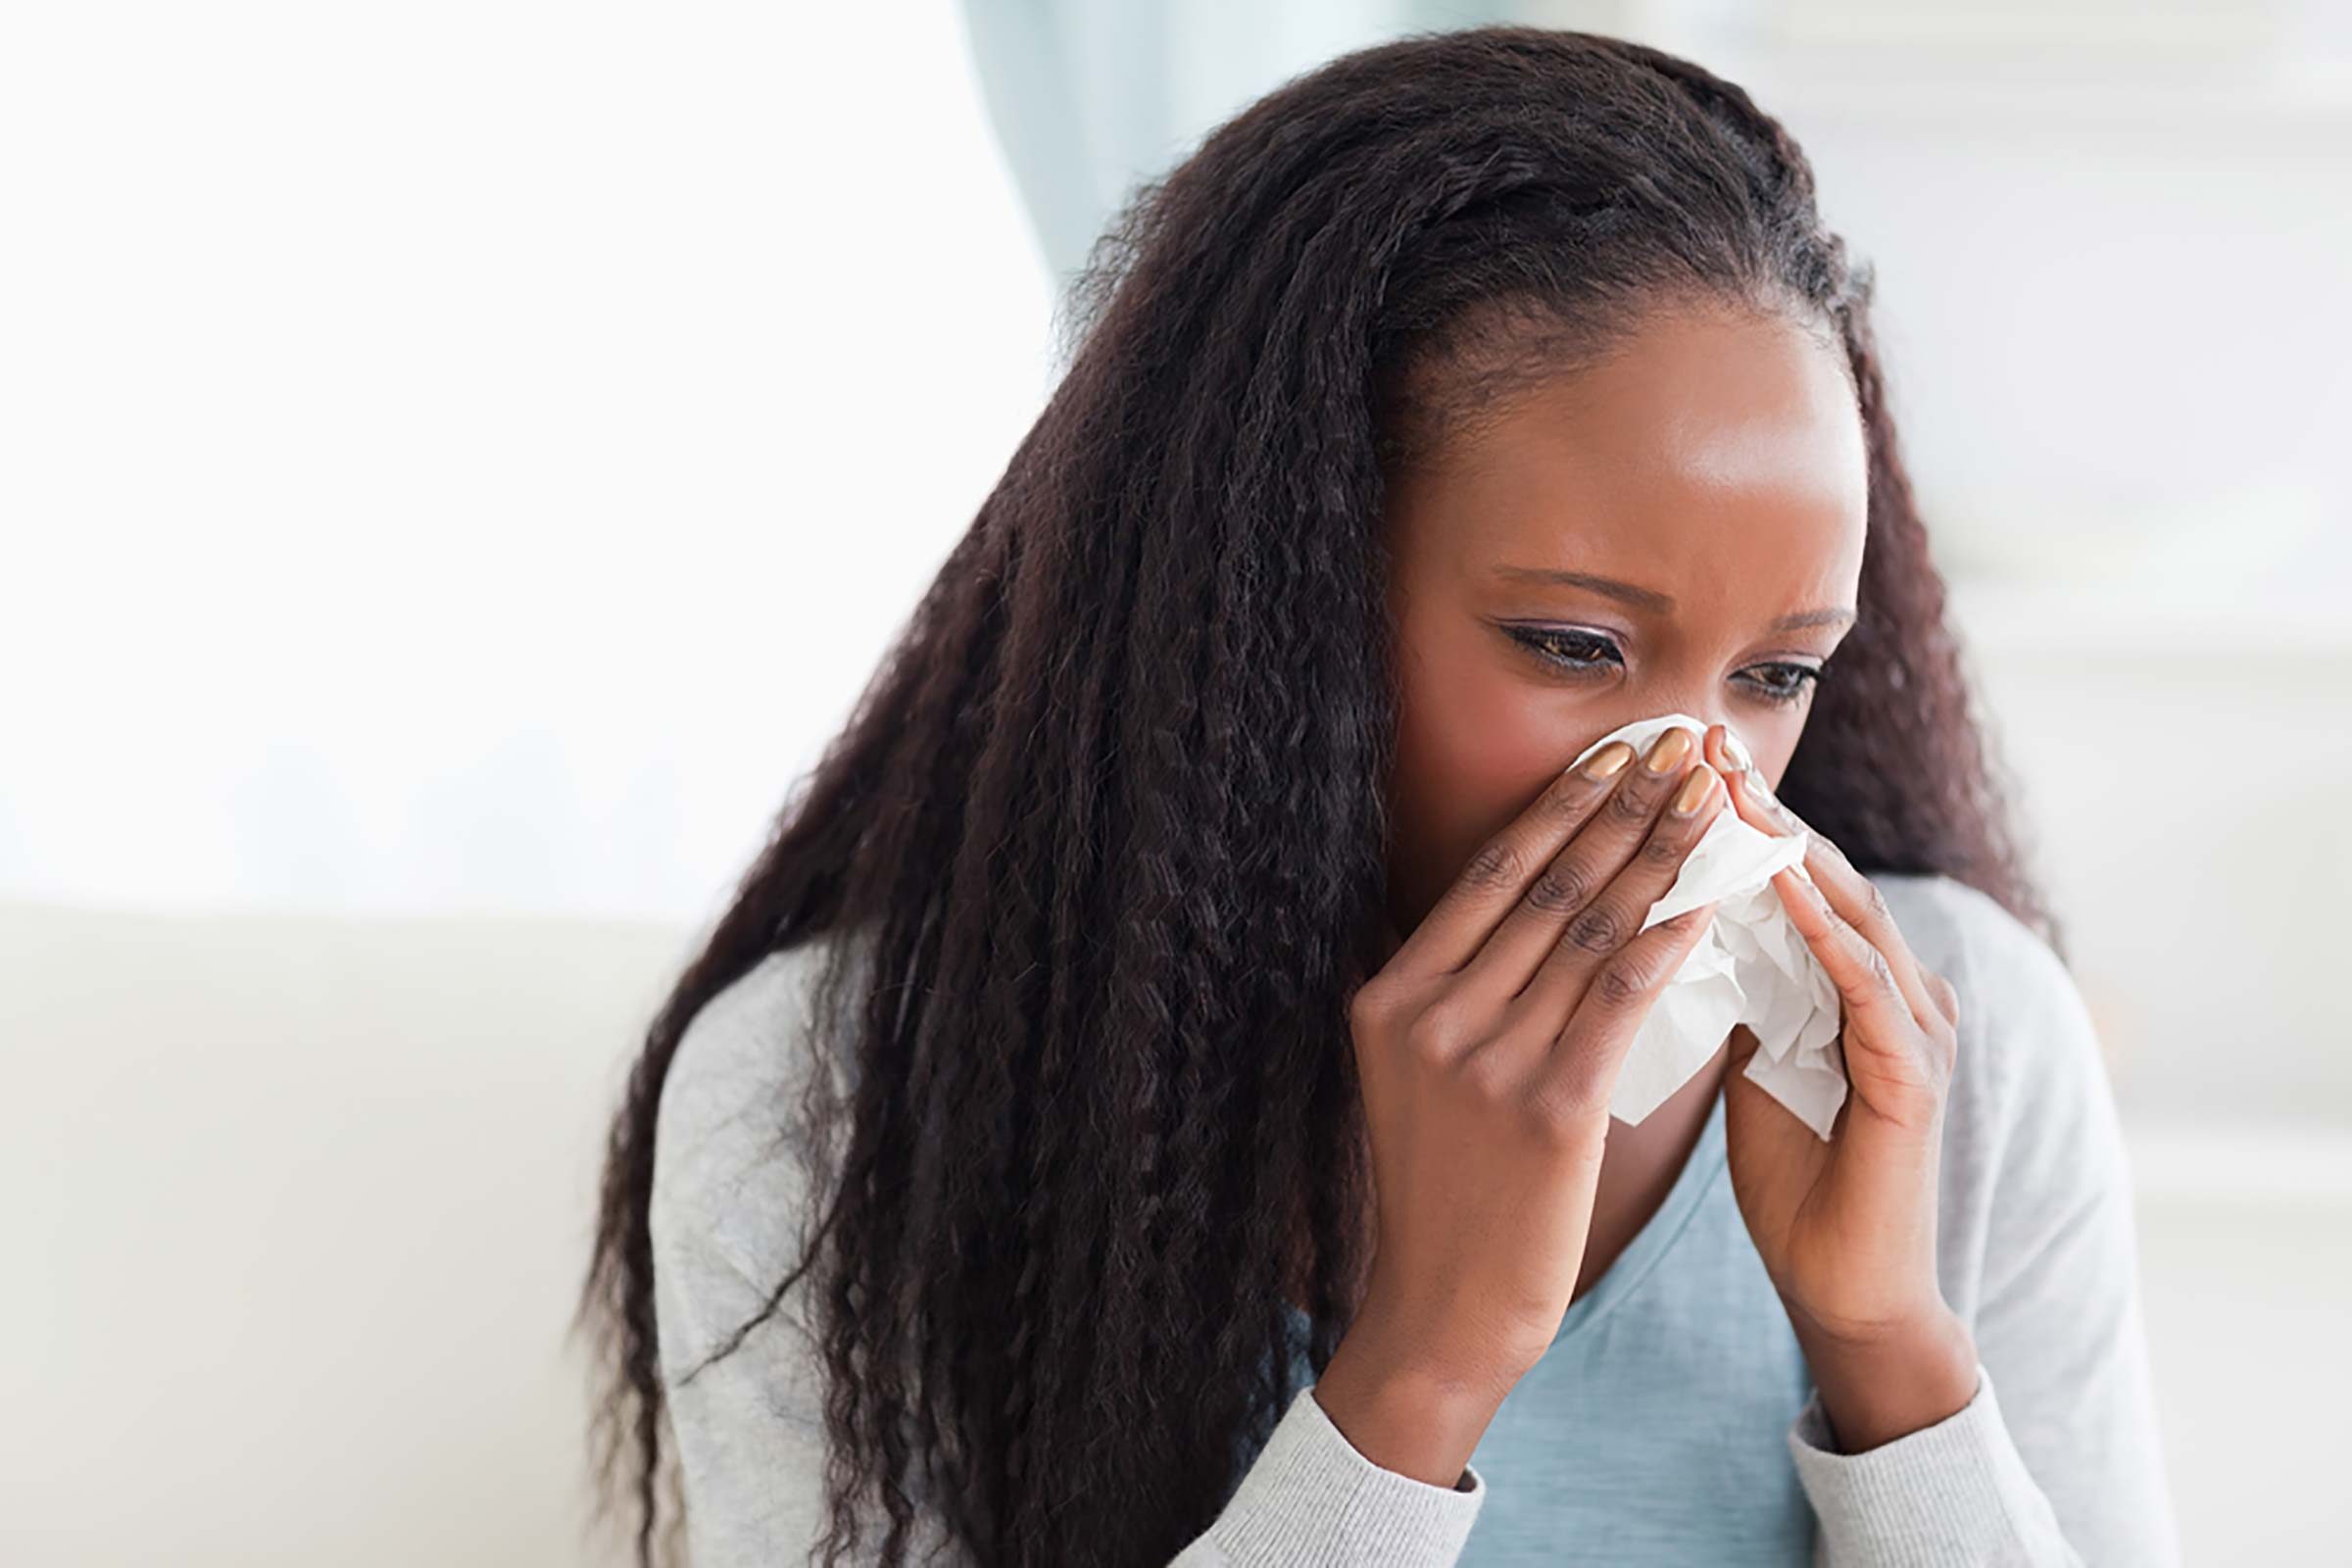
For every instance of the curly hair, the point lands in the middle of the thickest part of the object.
(1113, 813)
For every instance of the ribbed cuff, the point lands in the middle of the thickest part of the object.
(1952, 1493)
(1311, 1497)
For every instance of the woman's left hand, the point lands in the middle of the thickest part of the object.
(1846, 1228)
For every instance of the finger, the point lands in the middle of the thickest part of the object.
(1758, 807)
(1863, 905)
(1725, 753)
(1946, 994)
(1877, 1011)
(1568, 899)
(1857, 899)
(1617, 913)
(1583, 1061)
(1495, 878)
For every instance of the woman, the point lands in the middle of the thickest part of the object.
(1221, 973)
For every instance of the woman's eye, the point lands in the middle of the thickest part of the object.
(1584, 652)
(1788, 682)
(1572, 650)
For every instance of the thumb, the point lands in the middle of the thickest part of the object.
(1744, 1046)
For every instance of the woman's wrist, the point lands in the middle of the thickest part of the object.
(1892, 1382)
(1405, 1411)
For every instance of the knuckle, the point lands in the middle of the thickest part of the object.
(1487, 1077)
(1373, 1002)
(1665, 849)
(1621, 982)
(1629, 805)
(1873, 903)
(1444, 1027)
(1577, 794)
(1947, 996)
(1561, 886)
(1495, 864)
(1946, 1034)
(1598, 928)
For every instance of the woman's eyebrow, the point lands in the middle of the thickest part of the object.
(1833, 617)
(1652, 600)
(1642, 598)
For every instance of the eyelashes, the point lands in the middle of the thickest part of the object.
(1590, 651)
(1582, 653)
(1800, 676)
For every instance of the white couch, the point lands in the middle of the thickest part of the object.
(297, 1208)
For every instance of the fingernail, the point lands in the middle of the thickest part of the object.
(1604, 762)
(1735, 752)
(1668, 749)
(1694, 789)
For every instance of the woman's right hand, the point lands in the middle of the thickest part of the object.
(1488, 1047)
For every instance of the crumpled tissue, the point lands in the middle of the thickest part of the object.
(1751, 967)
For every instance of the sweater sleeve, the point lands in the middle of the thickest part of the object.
(1311, 1497)
(2062, 1465)
(749, 1425)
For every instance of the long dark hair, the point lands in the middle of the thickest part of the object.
(1112, 812)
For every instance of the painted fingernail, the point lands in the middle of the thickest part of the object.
(1668, 750)
(1606, 763)
(1695, 789)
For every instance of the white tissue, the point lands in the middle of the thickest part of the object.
(1751, 967)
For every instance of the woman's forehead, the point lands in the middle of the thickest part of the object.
(1703, 427)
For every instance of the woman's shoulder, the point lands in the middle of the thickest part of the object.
(729, 1144)
(747, 1043)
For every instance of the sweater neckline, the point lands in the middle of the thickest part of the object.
(1655, 1239)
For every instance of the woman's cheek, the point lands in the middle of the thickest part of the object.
(1469, 764)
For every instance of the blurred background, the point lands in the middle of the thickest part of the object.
(460, 462)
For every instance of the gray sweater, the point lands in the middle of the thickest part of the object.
(2036, 1253)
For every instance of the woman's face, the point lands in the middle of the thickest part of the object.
(1679, 528)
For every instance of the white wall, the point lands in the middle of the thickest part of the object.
(466, 456)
